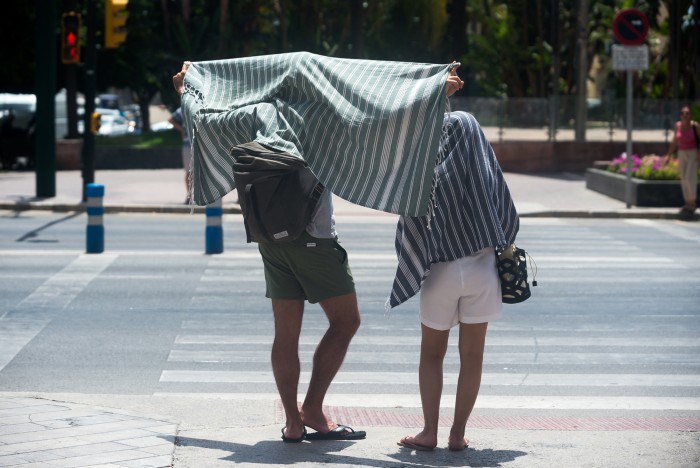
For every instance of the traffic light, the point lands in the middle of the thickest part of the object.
(115, 22)
(70, 37)
(95, 122)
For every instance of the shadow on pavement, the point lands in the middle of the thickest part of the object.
(327, 452)
(468, 457)
(31, 235)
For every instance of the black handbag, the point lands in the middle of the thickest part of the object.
(277, 192)
(511, 263)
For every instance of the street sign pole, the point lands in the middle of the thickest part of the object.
(45, 136)
(630, 28)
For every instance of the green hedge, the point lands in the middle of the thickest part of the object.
(145, 140)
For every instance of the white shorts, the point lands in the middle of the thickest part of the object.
(466, 290)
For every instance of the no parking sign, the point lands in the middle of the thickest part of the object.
(630, 27)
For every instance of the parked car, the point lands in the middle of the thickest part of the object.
(161, 126)
(16, 130)
(108, 101)
(133, 113)
(114, 125)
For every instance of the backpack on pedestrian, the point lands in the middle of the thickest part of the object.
(277, 192)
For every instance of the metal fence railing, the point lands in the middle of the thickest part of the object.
(546, 119)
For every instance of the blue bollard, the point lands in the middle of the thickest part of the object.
(214, 234)
(95, 235)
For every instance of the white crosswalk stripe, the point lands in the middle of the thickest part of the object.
(563, 349)
(21, 324)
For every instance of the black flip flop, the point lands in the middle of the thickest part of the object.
(341, 432)
(293, 440)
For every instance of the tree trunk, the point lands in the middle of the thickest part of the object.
(223, 28)
(143, 99)
(556, 73)
(186, 13)
(166, 25)
(674, 46)
(582, 72)
(456, 30)
(357, 15)
(540, 86)
(283, 15)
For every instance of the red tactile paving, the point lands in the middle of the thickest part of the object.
(368, 417)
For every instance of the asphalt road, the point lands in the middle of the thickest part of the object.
(612, 325)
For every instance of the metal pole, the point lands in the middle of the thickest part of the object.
(556, 71)
(628, 187)
(88, 161)
(45, 136)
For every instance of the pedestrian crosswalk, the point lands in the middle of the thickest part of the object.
(28, 318)
(612, 325)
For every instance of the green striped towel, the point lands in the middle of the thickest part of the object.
(368, 129)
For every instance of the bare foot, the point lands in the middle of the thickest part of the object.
(420, 441)
(457, 444)
(317, 421)
(293, 431)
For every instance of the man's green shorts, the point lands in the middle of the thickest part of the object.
(306, 268)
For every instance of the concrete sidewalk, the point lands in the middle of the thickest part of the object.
(72, 430)
(542, 195)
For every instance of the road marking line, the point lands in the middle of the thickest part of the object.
(34, 312)
(410, 378)
(383, 400)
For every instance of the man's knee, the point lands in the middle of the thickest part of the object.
(346, 322)
(343, 313)
(352, 324)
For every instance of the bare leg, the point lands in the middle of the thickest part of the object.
(432, 354)
(344, 320)
(471, 355)
(285, 359)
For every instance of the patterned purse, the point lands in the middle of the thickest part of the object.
(511, 263)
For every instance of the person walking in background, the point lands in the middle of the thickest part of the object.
(449, 256)
(686, 138)
(178, 122)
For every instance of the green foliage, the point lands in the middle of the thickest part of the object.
(506, 46)
(18, 26)
(145, 140)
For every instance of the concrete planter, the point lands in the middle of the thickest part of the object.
(68, 157)
(655, 193)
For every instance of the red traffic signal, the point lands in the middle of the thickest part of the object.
(70, 38)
